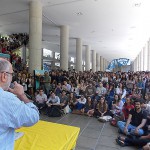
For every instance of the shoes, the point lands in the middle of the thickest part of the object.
(121, 143)
(101, 119)
(119, 137)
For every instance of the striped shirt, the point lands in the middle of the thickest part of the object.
(14, 114)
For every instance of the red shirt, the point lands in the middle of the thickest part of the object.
(126, 109)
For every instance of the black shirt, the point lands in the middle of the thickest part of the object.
(137, 118)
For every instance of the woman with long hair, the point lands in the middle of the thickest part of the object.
(89, 107)
(71, 100)
(127, 107)
(101, 108)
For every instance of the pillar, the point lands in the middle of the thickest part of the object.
(78, 54)
(53, 60)
(64, 46)
(148, 56)
(104, 61)
(87, 58)
(102, 67)
(35, 36)
(93, 61)
(97, 62)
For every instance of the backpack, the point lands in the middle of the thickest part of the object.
(55, 112)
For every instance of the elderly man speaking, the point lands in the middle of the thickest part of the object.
(16, 110)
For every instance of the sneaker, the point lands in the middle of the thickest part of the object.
(121, 143)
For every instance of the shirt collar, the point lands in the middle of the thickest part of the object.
(1, 89)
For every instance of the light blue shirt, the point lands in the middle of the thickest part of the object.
(14, 114)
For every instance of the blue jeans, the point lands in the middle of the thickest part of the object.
(130, 128)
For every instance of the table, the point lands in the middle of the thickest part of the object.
(47, 136)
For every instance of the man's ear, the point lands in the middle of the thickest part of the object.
(3, 77)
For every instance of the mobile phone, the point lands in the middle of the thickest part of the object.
(12, 85)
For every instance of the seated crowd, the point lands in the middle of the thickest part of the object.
(123, 96)
(9, 44)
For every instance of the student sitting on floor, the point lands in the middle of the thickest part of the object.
(80, 103)
(89, 107)
(141, 142)
(135, 122)
(101, 108)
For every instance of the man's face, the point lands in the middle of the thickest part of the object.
(65, 83)
(8, 77)
(90, 85)
(41, 92)
(100, 84)
(63, 93)
(137, 105)
(82, 97)
(53, 95)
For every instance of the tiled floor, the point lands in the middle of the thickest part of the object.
(94, 135)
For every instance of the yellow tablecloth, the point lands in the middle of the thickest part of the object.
(47, 136)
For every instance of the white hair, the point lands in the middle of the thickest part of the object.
(4, 65)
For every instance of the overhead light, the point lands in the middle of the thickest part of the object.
(132, 27)
(137, 4)
(79, 13)
(130, 38)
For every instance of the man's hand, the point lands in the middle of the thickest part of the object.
(136, 131)
(17, 90)
(125, 130)
(49, 105)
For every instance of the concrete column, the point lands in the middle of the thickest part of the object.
(138, 63)
(78, 54)
(104, 65)
(135, 65)
(141, 65)
(101, 61)
(53, 60)
(148, 56)
(142, 60)
(35, 36)
(64, 46)
(87, 58)
(23, 54)
(145, 56)
(97, 62)
(93, 61)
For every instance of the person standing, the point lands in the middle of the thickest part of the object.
(16, 110)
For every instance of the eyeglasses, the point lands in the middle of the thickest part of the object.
(8, 73)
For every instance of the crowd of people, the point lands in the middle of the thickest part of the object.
(9, 44)
(123, 96)
(13, 41)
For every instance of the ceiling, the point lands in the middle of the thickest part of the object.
(114, 28)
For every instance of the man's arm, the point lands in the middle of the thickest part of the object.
(128, 121)
(21, 112)
(142, 124)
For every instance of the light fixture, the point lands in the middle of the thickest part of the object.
(132, 27)
(137, 4)
(79, 13)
